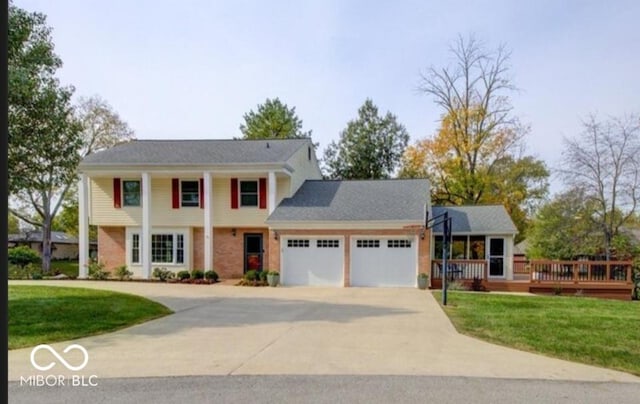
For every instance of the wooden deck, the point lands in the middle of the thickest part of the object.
(611, 279)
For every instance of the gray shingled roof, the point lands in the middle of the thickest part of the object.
(489, 219)
(36, 237)
(384, 200)
(196, 152)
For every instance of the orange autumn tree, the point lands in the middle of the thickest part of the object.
(477, 155)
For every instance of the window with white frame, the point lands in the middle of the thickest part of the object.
(248, 193)
(190, 193)
(166, 248)
(135, 249)
(131, 193)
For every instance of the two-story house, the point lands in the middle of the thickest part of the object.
(236, 205)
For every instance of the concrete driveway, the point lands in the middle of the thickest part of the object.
(229, 330)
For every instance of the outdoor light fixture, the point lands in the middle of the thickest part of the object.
(275, 234)
(233, 232)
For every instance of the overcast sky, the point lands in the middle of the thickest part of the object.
(193, 70)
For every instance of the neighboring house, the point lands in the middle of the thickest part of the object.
(238, 205)
(63, 245)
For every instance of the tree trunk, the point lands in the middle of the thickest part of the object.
(46, 245)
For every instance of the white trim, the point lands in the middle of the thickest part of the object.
(271, 192)
(503, 256)
(257, 181)
(185, 232)
(197, 181)
(208, 222)
(145, 242)
(83, 226)
(345, 225)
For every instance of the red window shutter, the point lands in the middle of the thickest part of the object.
(117, 193)
(201, 193)
(262, 192)
(234, 193)
(175, 193)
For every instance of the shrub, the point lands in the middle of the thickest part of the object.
(477, 285)
(163, 274)
(273, 273)
(182, 275)
(251, 275)
(36, 276)
(455, 285)
(123, 273)
(197, 274)
(97, 272)
(23, 256)
(211, 275)
(262, 275)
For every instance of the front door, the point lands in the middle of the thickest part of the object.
(496, 257)
(252, 252)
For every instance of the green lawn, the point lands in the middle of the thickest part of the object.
(593, 331)
(44, 314)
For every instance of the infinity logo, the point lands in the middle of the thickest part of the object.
(60, 358)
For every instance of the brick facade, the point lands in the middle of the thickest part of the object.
(111, 246)
(197, 241)
(228, 250)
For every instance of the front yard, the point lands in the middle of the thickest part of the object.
(45, 314)
(593, 331)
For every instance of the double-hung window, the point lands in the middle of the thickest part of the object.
(165, 248)
(190, 193)
(131, 193)
(248, 193)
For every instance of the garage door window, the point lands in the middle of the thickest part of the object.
(368, 244)
(398, 244)
(328, 243)
(298, 243)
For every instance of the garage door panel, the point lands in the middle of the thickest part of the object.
(383, 262)
(313, 261)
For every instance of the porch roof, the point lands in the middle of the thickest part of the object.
(477, 219)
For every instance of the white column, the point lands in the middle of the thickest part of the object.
(208, 223)
(145, 247)
(271, 202)
(83, 226)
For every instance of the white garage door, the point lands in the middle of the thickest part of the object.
(313, 261)
(383, 261)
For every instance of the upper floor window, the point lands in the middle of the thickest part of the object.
(190, 192)
(131, 193)
(248, 193)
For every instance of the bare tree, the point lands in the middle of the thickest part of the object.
(480, 129)
(604, 160)
(102, 127)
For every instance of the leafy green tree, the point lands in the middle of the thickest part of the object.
(67, 219)
(13, 224)
(565, 228)
(370, 147)
(273, 120)
(44, 138)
